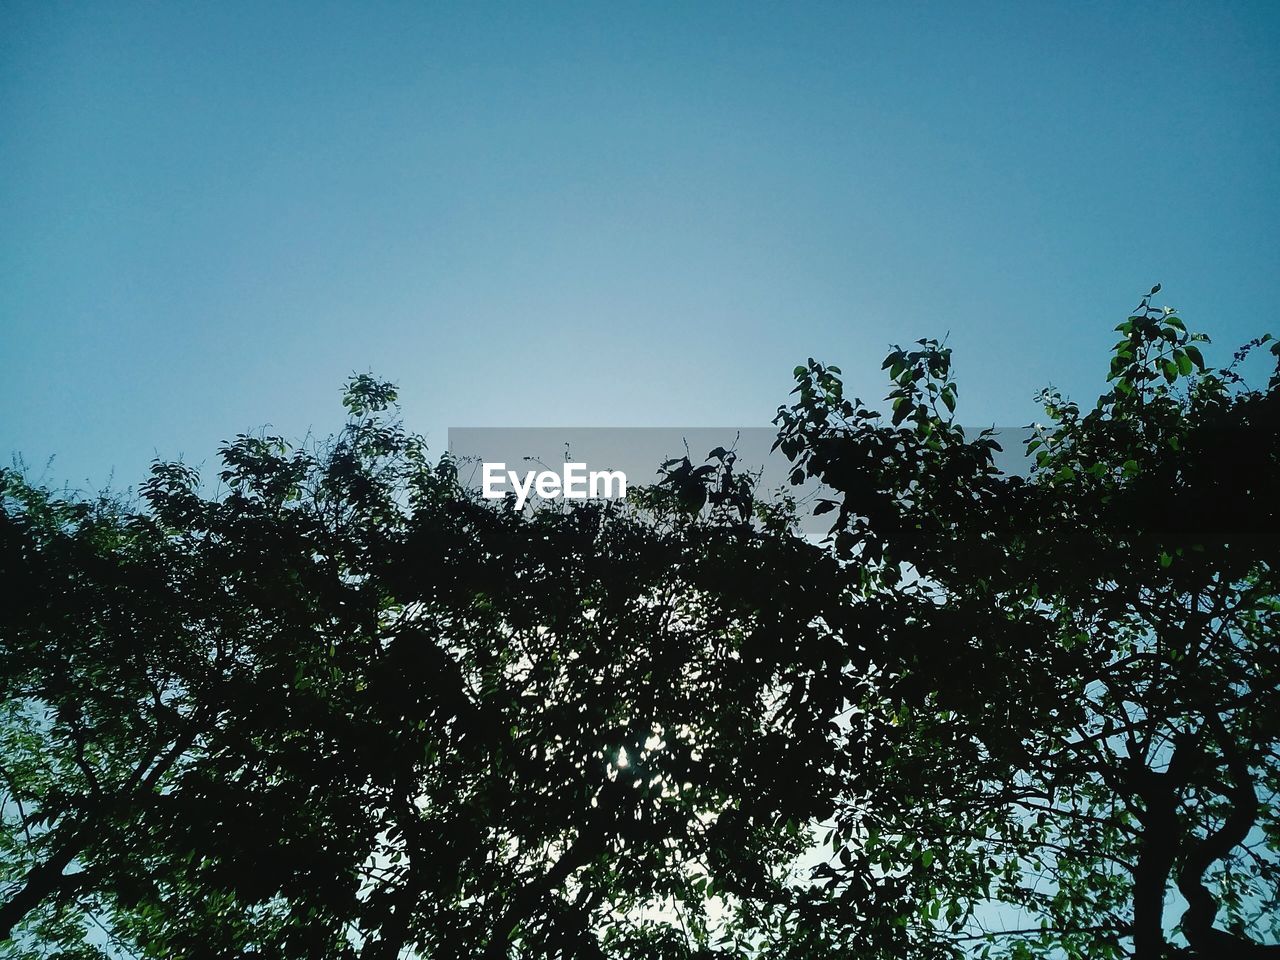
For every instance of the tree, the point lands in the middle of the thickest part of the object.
(341, 707)
(1073, 710)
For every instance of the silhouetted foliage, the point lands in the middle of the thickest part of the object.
(341, 707)
(1074, 713)
(344, 708)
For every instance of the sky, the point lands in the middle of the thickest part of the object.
(601, 214)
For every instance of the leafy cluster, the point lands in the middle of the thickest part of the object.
(342, 707)
(1076, 709)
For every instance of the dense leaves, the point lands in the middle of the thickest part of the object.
(338, 706)
(344, 708)
(1073, 732)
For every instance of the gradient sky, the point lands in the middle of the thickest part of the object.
(604, 214)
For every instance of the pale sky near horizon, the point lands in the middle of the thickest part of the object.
(591, 214)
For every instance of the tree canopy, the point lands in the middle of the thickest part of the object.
(337, 705)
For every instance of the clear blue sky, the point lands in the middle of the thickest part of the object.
(604, 214)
